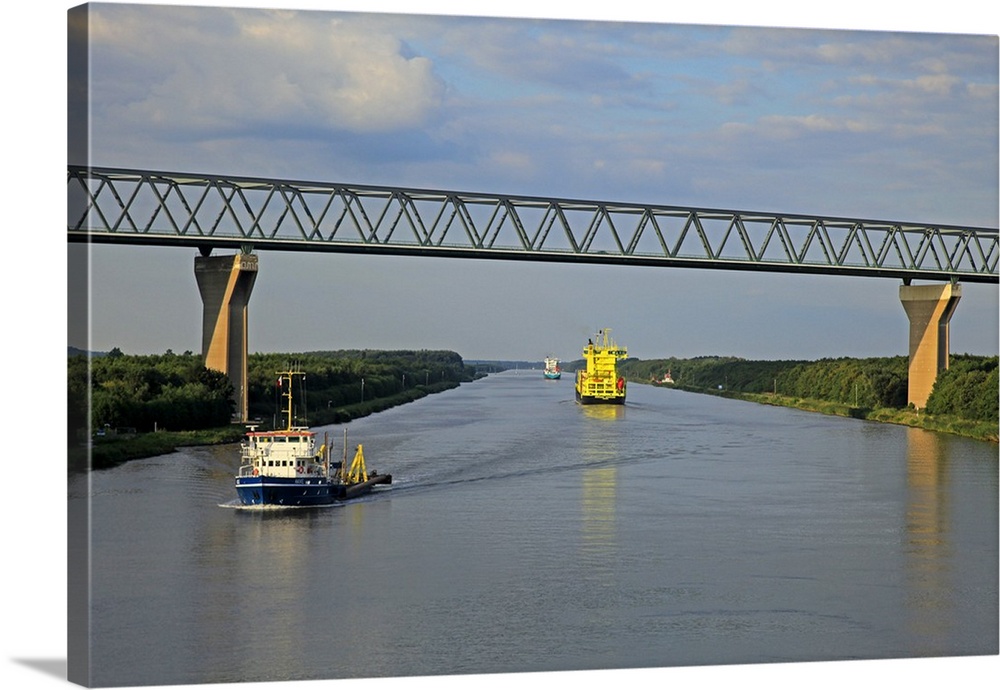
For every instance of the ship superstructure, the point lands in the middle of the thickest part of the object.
(599, 382)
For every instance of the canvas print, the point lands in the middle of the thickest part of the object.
(421, 345)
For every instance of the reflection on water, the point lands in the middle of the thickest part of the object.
(599, 447)
(276, 565)
(601, 433)
(598, 507)
(600, 441)
(603, 412)
(927, 538)
(599, 553)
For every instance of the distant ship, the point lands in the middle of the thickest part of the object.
(552, 370)
(600, 383)
(666, 380)
(283, 467)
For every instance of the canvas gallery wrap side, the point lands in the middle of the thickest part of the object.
(412, 345)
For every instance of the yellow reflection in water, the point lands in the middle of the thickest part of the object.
(598, 504)
(927, 529)
(600, 485)
(603, 412)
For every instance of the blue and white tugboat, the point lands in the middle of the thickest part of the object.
(283, 467)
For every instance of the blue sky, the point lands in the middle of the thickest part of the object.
(864, 123)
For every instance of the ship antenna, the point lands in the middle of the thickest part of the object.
(288, 395)
(290, 375)
(305, 401)
(343, 462)
(326, 456)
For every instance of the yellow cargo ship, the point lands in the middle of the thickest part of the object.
(600, 383)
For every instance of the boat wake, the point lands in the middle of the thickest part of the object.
(269, 507)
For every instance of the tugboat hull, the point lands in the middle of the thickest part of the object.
(280, 491)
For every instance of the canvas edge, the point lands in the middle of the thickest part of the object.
(78, 575)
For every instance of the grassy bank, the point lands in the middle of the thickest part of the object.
(114, 450)
(981, 431)
(109, 452)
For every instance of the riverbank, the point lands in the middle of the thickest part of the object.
(978, 430)
(106, 452)
(109, 452)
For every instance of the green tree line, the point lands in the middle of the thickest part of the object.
(147, 392)
(177, 392)
(342, 384)
(968, 389)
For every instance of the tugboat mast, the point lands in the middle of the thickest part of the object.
(282, 376)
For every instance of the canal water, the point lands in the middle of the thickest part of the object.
(523, 532)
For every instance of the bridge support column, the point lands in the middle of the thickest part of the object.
(225, 283)
(929, 308)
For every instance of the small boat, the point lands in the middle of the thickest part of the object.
(284, 468)
(599, 382)
(552, 370)
(667, 379)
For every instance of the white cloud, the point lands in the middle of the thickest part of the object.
(248, 70)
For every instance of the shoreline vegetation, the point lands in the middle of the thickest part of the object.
(125, 407)
(121, 447)
(964, 400)
(147, 405)
(949, 424)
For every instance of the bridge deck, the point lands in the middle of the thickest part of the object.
(210, 211)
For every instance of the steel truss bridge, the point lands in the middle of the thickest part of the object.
(108, 205)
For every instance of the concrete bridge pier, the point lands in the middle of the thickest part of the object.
(929, 308)
(225, 283)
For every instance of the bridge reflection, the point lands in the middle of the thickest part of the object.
(928, 585)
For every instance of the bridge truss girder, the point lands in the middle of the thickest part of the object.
(122, 206)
